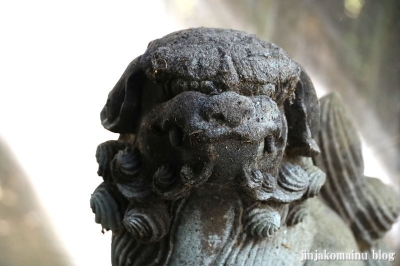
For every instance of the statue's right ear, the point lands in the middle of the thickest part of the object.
(303, 116)
(121, 112)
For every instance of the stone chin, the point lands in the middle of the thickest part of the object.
(220, 113)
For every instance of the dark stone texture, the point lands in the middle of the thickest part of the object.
(213, 166)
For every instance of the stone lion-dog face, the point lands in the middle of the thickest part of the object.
(216, 133)
(210, 106)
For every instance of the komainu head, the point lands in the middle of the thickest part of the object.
(212, 105)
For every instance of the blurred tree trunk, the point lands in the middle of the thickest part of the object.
(26, 238)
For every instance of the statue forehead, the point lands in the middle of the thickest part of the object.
(226, 57)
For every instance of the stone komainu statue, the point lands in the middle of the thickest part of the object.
(217, 161)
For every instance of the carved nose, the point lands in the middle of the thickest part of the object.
(227, 108)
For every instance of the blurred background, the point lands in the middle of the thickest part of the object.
(59, 60)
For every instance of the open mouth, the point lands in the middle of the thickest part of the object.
(206, 133)
(177, 137)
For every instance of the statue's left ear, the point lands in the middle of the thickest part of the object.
(303, 118)
(121, 112)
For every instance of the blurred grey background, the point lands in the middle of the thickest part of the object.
(59, 60)
(26, 237)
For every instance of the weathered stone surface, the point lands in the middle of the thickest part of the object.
(217, 133)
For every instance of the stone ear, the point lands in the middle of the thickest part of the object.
(121, 112)
(303, 119)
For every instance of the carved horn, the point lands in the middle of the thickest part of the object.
(121, 112)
